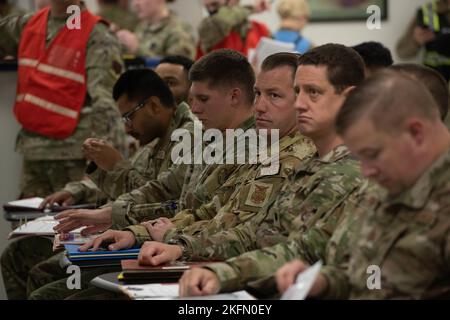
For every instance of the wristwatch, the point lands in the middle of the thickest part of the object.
(184, 254)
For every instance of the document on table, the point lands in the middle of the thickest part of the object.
(300, 289)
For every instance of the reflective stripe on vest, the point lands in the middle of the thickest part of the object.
(47, 105)
(434, 59)
(431, 17)
(52, 70)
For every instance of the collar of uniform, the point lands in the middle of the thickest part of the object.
(417, 196)
(155, 27)
(284, 143)
(315, 163)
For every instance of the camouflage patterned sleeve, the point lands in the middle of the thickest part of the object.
(10, 30)
(325, 190)
(103, 67)
(84, 191)
(338, 283)
(215, 28)
(122, 179)
(140, 233)
(145, 203)
(407, 47)
(181, 43)
(309, 246)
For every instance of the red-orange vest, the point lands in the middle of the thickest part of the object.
(234, 41)
(52, 82)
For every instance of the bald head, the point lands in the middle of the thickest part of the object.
(388, 99)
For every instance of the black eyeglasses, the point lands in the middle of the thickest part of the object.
(126, 117)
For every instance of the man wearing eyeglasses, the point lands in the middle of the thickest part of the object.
(150, 115)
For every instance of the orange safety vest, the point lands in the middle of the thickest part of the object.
(235, 42)
(52, 83)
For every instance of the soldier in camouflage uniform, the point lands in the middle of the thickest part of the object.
(152, 131)
(305, 213)
(116, 12)
(404, 231)
(214, 79)
(225, 17)
(50, 163)
(254, 189)
(400, 226)
(160, 32)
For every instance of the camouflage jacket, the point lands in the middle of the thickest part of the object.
(213, 29)
(168, 37)
(116, 15)
(99, 116)
(194, 188)
(407, 237)
(317, 186)
(253, 189)
(145, 165)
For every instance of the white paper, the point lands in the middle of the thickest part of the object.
(40, 226)
(238, 295)
(151, 291)
(303, 283)
(32, 203)
(157, 291)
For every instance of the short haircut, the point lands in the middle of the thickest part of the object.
(387, 98)
(432, 79)
(374, 54)
(345, 67)
(185, 62)
(226, 68)
(140, 84)
(282, 59)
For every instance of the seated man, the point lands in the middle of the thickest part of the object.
(174, 70)
(318, 186)
(376, 56)
(311, 208)
(150, 115)
(403, 233)
(222, 91)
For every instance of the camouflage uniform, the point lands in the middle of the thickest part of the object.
(99, 117)
(213, 29)
(253, 191)
(325, 238)
(202, 183)
(10, 9)
(168, 37)
(316, 186)
(145, 165)
(151, 160)
(124, 19)
(407, 237)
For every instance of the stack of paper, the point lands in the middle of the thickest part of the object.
(40, 227)
(31, 204)
(158, 291)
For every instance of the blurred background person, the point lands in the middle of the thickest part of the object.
(159, 33)
(429, 30)
(117, 12)
(41, 4)
(228, 26)
(7, 8)
(294, 15)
